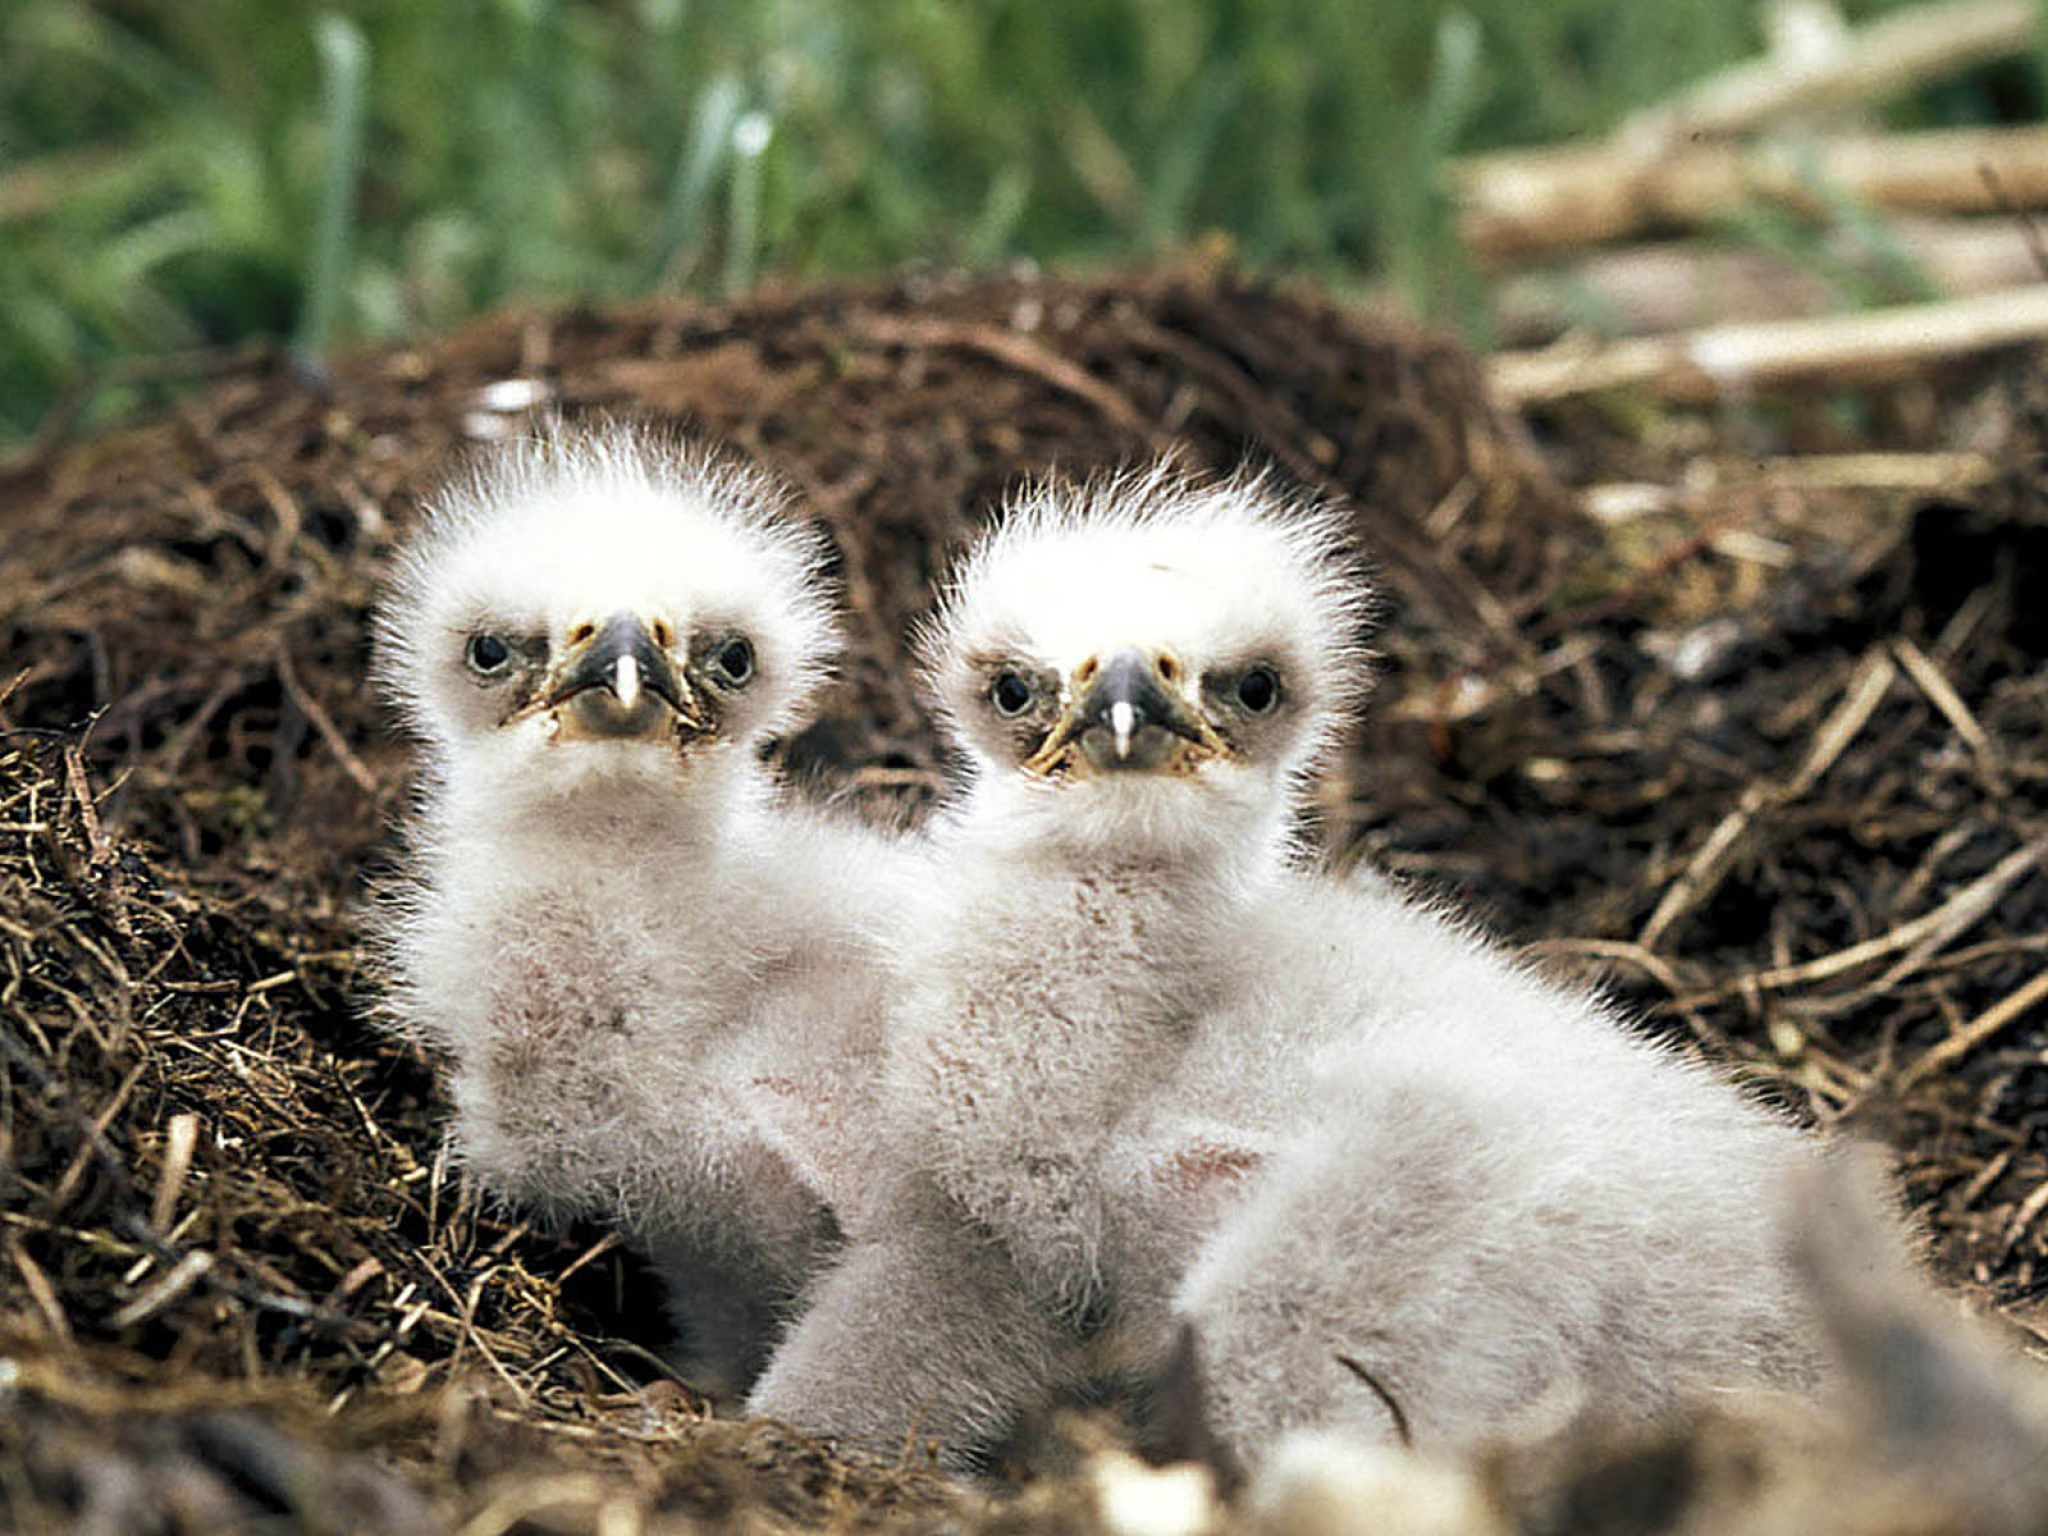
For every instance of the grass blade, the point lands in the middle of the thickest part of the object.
(681, 230)
(750, 136)
(344, 89)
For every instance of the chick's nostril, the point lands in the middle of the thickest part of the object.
(1084, 674)
(581, 633)
(1168, 665)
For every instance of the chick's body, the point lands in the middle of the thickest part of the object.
(1149, 1065)
(656, 979)
(1044, 1017)
(1129, 811)
(1497, 1200)
(655, 1025)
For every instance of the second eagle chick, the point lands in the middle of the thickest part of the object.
(1144, 673)
(1143, 1049)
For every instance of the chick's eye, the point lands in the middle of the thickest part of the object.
(1011, 694)
(734, 662)
(1259, 689)
(487, 654)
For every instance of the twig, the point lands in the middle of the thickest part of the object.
(1937, 473)
(102, 851)
(1228, 378)
(1021, 353)
(40, 1291)
(1684, 1001)
(1655, 966)
(1713, 859)
(1544, 202)
(1465, 695)
(1679, 285)
(1981, 1182)
(180, 1140)
(1976, 1032)
(1379, 1390)
(1948, 472)
(1905, 49)
(595, 1251)
(2030, 227)
(2023, 1218)
(1924, 935)
(1705, 365)
(181, 745)
(324, 724)
(1942, 695)
(185, 1274)
(95, 1143)
(564, 1495)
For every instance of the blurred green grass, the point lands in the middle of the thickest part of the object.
(186, 173)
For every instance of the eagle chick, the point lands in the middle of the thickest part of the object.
(654, 974)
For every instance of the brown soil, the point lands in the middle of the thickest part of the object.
(1771, 758)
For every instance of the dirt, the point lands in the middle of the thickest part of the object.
(1767, 757)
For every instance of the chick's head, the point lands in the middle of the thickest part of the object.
(1151, 661)
(603, 606)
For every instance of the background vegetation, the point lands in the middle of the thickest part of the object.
(186, 173)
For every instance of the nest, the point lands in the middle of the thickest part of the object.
(1769, 759)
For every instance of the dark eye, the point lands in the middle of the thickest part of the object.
(1010, 694)
(1259, 689)
(734, 662)
(487, 654)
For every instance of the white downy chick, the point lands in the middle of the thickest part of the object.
(1114, 1017)
(1503, 1203)
(1145, 673)
(653, 973)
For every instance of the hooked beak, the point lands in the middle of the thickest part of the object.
(1130, 720)
(620, 685)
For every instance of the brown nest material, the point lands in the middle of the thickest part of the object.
(1772, 759)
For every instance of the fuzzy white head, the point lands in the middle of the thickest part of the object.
(589, 619)
(1149, 665)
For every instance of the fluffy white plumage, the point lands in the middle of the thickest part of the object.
(651, 971)
(1149, 1063)
(1501, 1201)
(1144, 672)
